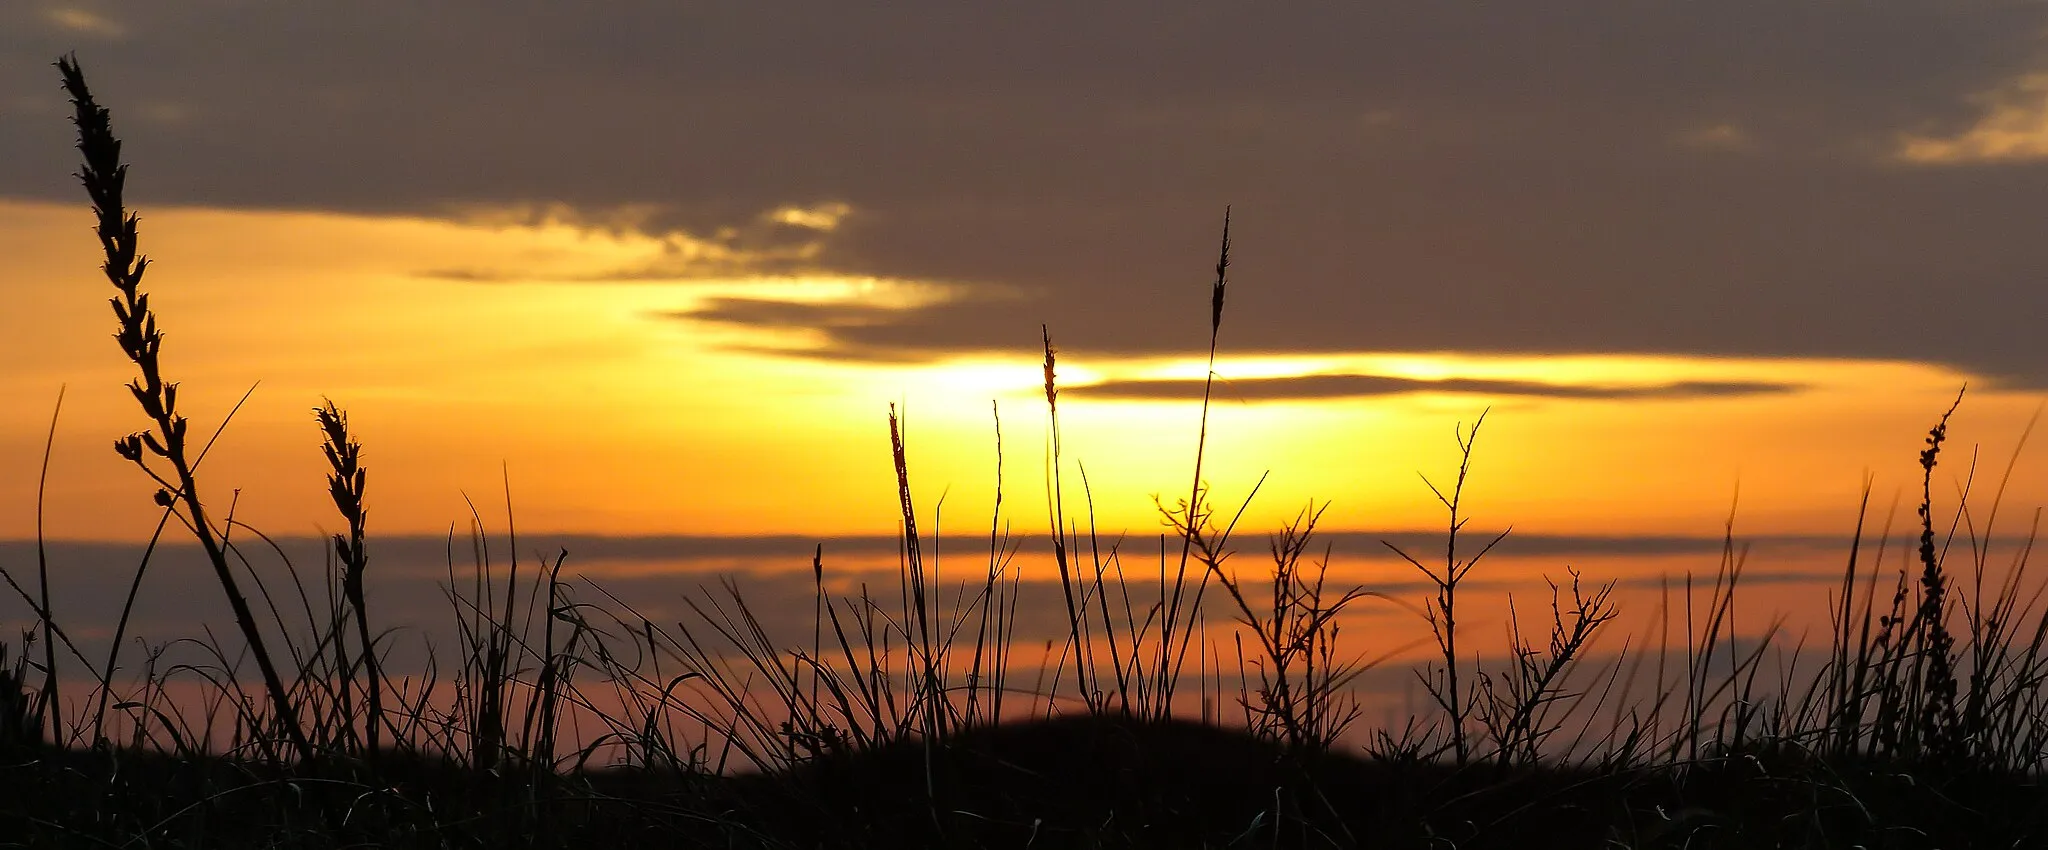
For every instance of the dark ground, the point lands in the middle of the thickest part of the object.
(1061, 783)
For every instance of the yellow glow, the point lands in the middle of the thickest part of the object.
(610, 416)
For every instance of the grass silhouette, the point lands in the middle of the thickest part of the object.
(904, 720)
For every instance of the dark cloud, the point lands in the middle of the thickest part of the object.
(763, 313)
(787, 241)
(90, 564)
(1593, 176)
(1355, 386)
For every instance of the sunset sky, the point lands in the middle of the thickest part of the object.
(667, 265)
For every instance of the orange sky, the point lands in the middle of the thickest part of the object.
(614, 419)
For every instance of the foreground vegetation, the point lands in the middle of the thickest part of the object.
(902, 719)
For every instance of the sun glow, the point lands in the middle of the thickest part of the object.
(614, 413)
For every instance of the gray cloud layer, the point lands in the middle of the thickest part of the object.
(408, 574)
(1602, 175)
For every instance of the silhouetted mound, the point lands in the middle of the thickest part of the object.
(1048, 783)
(1116, 782)
(1087, 782)
(1074, 782)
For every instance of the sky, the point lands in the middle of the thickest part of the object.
(659, 270)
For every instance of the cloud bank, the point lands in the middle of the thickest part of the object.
(1746, 178)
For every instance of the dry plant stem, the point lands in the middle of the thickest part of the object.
(1075, 618)
(991, 603)
(1852, 706)
(104, 176)
(538, 738)
(1100, 591)
(47, 700)
(345, 485)
(490, 641)
(1296, 696)
(99, 714)
(1939, 722)
(1517, 723)
(934, 714)
(1992, 629)
(1443, 614)
(1842, 724)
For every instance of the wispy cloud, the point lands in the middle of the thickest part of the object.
(1726, 138)
(860, 323)
(2013, 128)
(782, 241)
(428, 555)
(1306, 387)
(78, 21)
(773, 314)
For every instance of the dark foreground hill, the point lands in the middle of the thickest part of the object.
(1075, 782)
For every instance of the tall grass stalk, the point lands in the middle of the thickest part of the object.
(997, 609)
(924, 651)
(1168, 676)
(1077, 625)
(345, 482)
(104, 177)
(48, 697)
